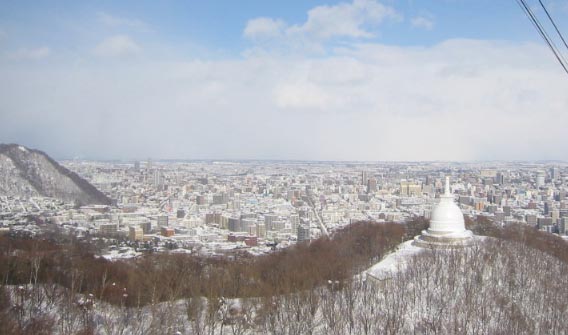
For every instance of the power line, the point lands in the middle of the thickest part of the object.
(553, 23)
(542, 32)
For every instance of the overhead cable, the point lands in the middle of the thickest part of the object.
(542, 32)
(553, 23)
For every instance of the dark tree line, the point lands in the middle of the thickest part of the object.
(162, 277)
(515, 283)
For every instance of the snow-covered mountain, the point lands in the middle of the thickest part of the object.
(26, 173)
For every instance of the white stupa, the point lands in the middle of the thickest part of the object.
(446, 231)
(447, 228)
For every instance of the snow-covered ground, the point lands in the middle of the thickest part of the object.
(397, 261)
(113, 255)
(394, 262)
(492, 287)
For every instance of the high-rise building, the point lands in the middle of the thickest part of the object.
(201, 200)
(220, 199)
(304, 232)
(364, 177)
(547, 207)
(544, 222)
(146, 227)
(500, 178)
(563, 226)
(209, 218)
(491, 208)
(136, 233)
(555, 215)
(260, 230)
(234, 224)
(540, 179)
(372, 185)
(531, 219)
(162, 220)
(555, 173)
(247, 223)
(294, 221)
(278, 225)
(410, 188)
(497, 198)
(224, 222)
(268, 219)
(108, 229)
(158, 182)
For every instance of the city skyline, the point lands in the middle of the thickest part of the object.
(355, 80)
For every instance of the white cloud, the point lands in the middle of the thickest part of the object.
(422, 22)
(30, 54)
(304, 96)
(117, 46)
(344, 20)
(459, 100)
(355, 20)
(264, 27)
(115, 21)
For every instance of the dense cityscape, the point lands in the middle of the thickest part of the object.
(213, 207)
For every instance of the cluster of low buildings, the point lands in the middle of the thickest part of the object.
(214, 207)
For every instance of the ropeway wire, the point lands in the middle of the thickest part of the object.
(553, 23)
(540, 29)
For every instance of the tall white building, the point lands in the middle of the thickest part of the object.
(157, 178)
(540, 179)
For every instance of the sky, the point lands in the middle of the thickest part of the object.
(390, 80)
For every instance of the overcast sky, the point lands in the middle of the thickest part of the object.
(311, 80)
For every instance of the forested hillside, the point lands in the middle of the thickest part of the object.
(512, 284)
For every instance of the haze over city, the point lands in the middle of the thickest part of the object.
(308, 80)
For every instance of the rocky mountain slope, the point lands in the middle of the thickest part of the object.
(26, 173)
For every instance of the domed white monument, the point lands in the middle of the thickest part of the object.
(447, 228)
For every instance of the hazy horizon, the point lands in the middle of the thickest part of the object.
(359, 80)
